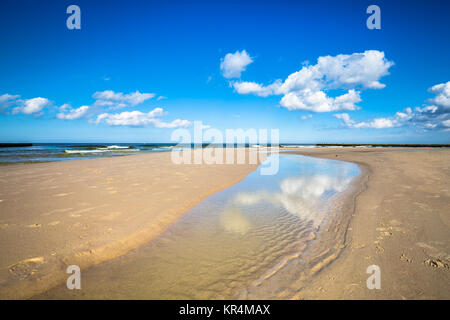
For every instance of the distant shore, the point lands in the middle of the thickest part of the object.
(411, 145)
(30, 153)
(11, 145)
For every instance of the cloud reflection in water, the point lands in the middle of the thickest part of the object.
(299, 195)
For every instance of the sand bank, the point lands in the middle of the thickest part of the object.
(84, 212)
(401, 222)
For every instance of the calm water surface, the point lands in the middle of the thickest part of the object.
(226, 242)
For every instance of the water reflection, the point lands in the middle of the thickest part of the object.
(233, 220)
(300, 196)
(228, 241)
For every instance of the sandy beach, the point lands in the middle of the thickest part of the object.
(401, 223)
(88, 211)
(84, 212)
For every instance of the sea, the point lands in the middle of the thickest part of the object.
(49, 152)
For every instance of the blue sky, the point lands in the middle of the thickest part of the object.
(141, 69)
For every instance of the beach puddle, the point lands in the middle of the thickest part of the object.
(237, 238)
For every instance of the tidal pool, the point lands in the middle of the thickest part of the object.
(228, 241)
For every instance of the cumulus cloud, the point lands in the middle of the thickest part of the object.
(363, 69)
(31, 106)
(118, 100)
(436, 115)
(307, 89)
(67, 113)
(377, 123)
(442, 98)
(110, 99)
(233, 64)
(140, 119)
(318, 101)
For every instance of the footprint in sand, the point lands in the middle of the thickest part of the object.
(405, 258)
(437, 263)
(378, 248)
(26, 268)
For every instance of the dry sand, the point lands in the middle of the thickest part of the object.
(84, 212)
(401, 223)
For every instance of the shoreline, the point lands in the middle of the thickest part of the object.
(409, 247)
(318, 252)
(40, 244)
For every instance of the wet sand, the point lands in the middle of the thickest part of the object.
(401, 223)
(84, 212)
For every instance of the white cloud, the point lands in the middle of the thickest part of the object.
(442, 98)
(306, 117)
(307, 88)
(118, 100)
(8, 97)
(140, 119)
(434, 116)
(7, 100)
(31, 106)
(161, 98)
(67, 113)
(234, 64)
(108, 98)
(377, 123)
(244, 87)
(356, 69)
(318, 101)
